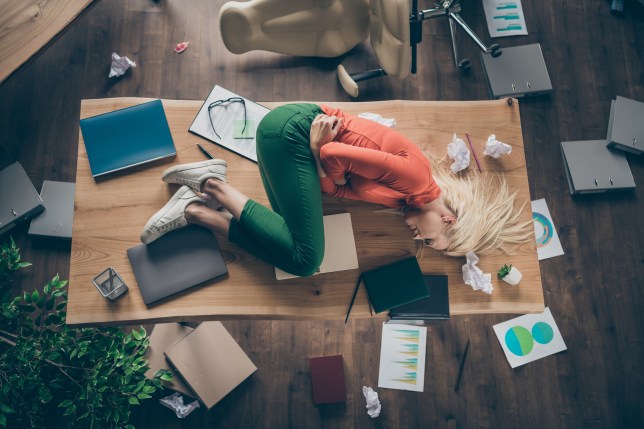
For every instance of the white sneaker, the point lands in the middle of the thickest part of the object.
(171, 216)
(194, 174)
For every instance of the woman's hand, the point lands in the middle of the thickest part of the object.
(323, 130)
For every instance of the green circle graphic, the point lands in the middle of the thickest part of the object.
(542, 332)
(519, 340)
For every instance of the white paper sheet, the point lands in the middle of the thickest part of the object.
(528, 338)
(402, 357)
(504, 18)
(223, 118)
(548, 244)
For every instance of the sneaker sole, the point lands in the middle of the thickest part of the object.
(178, 168)
(176, 197)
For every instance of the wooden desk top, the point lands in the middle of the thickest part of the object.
(26, 26)
(109, 215)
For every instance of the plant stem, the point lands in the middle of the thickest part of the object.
(51, 362)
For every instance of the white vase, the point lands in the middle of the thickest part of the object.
(513, 277)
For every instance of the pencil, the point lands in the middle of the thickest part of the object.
(460, 369)
(473, 153)
(205, 152)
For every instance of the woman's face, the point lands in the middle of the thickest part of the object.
(429, 226)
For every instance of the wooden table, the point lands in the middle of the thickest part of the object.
(109, 215)
(26, 26)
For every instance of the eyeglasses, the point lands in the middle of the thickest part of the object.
(217, 103)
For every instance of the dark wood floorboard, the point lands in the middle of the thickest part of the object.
(594, 290)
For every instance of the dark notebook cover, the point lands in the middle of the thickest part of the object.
(395, 284)
(127, 137)
(177, 261)
(327, 379)
(435, 306)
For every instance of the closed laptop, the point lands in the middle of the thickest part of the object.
(179, 260)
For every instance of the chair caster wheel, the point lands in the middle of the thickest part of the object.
(495, 50)
(464, 65)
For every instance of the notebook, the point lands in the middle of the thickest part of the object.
(177, 261)
(127, 137)
(19, 200)
(211, 362)
(395, 284)
(592, 167)
(327, 379)
(165, 335)
(339, 247)
(228, 119)
(625, 125)
(518, 71)
(57, 220)
(435, 306)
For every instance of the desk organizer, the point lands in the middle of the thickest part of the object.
(110, 284)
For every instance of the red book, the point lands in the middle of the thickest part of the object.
(327, 379)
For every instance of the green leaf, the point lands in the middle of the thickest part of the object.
(34, 296)
(65, 404)
(6, 409)
(3, 420)
(143, 396)
(166, 377)
(136, 334)
(133, 401)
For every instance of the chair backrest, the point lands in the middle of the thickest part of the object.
(389, 32)
(320, 28)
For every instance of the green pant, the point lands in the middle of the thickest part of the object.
(291, 236)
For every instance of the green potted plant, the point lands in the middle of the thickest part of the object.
(52, 375)
(510, 274)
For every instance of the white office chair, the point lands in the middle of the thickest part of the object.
(330, 28)
(317, 28)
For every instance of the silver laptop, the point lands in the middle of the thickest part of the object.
(179, 260)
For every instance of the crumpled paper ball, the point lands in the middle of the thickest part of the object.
(457, 151)
(120, 65)
(373, 403)
(495, 148)
(474, 276)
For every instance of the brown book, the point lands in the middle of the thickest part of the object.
(327, 379)
(163, 336)
(211, 362)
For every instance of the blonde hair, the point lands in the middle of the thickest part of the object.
(487, 218)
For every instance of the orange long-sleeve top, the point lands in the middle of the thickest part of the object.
(380, 165)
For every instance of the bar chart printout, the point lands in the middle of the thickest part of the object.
(402, 357)
(505, 18)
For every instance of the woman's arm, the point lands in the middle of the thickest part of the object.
(323, 130)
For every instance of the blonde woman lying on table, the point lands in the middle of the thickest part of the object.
(306, 150)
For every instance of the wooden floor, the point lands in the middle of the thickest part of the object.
(594, 291)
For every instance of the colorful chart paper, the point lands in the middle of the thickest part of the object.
(548, 244)
(504, 18)
(530, 337)
(402, 357)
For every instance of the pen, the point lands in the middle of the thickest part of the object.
(353, 298)
(473, 153)
(205, 152)
(460, 369)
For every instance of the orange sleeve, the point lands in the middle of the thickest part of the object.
(381, 165)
